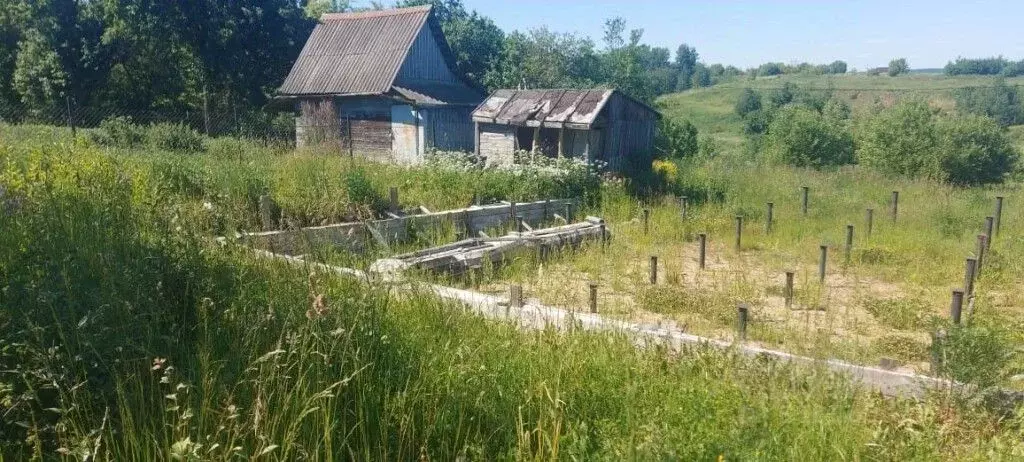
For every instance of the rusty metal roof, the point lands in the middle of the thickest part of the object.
(578, 108)
(361, 53)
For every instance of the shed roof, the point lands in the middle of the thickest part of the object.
(572, 108)
(361, 53)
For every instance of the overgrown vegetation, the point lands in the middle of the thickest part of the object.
(129, 335)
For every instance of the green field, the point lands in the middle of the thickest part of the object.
(129, 334)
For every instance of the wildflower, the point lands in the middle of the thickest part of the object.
(158, 363)
(207, 206)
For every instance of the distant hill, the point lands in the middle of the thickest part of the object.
(712, 109)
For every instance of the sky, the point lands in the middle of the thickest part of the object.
(865, 34)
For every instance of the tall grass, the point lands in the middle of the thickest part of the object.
(128, 335)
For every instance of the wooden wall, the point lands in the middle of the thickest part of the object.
(425, 62)
(448, 128)
(497, 143)
(629, 135)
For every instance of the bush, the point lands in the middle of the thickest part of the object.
(913, 139)
(119, 132)
(748, 102)
(1000, 102)
(757, 122)
(174, 137)
(800, 137)
(901, 140)
(976, 150)
(676, 140)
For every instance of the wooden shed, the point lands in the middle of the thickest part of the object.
(594, 125)
(381, 84)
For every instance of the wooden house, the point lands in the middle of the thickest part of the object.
(594, 125)
(381, 84)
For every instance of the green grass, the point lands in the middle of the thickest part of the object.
(128, 335)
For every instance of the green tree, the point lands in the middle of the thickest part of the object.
(686, 64)
(477, 43)
(898, 66)
(749, 101)
(801, 137)
(39, 77)
(976, 150)
(902, 139)
(1000, 101)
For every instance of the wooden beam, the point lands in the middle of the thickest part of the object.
(536, 140)
(476, 138)
(561, 142)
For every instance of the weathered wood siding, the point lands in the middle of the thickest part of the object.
(448, 128)
(497, 143)
(425, 62)
(629, 136)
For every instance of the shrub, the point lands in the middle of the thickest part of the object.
(913, 139)
(119, 132)
(666, 170)
(979, 355)
(174, 137)
(898, 66)
(976, 150)
(757, 122)
(999, 101)
(749, 101)
(800, 137)
(901, 140)
(676, 139)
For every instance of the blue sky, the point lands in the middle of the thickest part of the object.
(863, 33)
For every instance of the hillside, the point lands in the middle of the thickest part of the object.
(711, 109)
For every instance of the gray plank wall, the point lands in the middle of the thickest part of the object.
(449, 128)
(630, 133)
(425, 62)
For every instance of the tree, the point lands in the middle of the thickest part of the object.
(39, 77)
(701, 77)
(749, 101)
(901, 140)
(999, 101)
(800, 137)
(898, 66)
(686, 63)
(976, 150)
(837, 67)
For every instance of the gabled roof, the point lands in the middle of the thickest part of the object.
(554, 108)
(361, 53)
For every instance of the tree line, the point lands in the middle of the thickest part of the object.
(985, 66)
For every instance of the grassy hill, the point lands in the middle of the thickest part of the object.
(711, 109)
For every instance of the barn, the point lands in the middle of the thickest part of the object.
(381, 84)
(594, 125)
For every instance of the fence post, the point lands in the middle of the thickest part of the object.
(788, 293)
(519, 224)
(742, 312)
(393, 199)
(957, 306)
(769, 218)
(739, 231)
(654, 269)
(568, 212)
(849, 244)
(515, 296)
(683, 204)
(703, 245)
(982, 245)
(647, 219)
(895, 205)
(821, 263)
(593, 297)
(988, 232)
(870, 222)
(71, 118)
(803, 201)
(512, 212)
(999, 212)
(969, 275)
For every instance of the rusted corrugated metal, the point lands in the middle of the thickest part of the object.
(549, 108)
